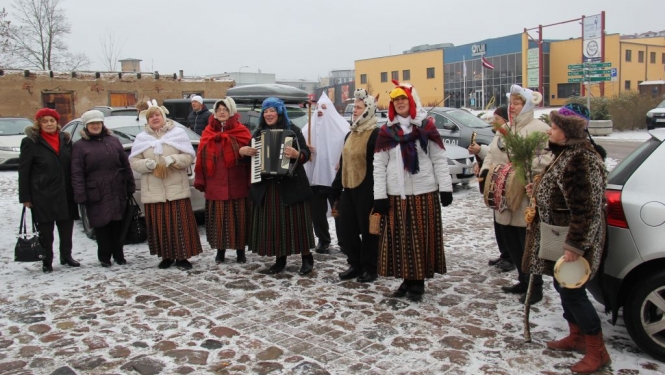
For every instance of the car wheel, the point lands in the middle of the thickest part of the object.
(644, 315)
(89, 231)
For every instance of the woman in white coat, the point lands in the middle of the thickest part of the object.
(411, 180)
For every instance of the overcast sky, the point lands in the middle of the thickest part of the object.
(307, 39)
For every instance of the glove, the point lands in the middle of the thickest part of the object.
(168, 160)
(151, 164)
(200, 188)
(446, 198)
(382, 206)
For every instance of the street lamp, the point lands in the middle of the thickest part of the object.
(240, 74)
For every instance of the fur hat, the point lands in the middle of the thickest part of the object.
(197, 98)
(153, 104)
(572, 119)
(370, 105)
(531, 98)
(92, 115)
(502, 112)
(227, 102)
(404, 89)
(47, 112)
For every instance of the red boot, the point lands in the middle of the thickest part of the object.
(573, 342)
(596, 356)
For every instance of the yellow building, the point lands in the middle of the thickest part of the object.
(422, 69)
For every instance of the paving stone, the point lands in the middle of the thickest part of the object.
(184, 370)
(165, 345)
(179, 312)
(65, 370)
(162, 304)
(212, 344)
(244, 284)
(201, 322)
(66, 352)
(119, 351)
(95, 342)
(145, 366)
(39, 329)
(309, 368)
(145, 298)
(192, 357)
(226, 354)
(6, 367)
(88, 363)
(264, 368)
(270, 354)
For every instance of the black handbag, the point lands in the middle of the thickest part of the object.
(28, 248)
(133, 226)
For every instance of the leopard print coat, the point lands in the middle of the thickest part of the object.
(570, 193)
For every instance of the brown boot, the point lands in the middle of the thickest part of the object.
(573, 342)
(596, 356)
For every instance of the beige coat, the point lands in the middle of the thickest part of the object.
(176, 185)
(525, 124)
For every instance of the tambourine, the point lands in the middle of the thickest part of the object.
(572, 275)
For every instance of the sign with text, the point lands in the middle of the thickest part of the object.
(478, 49)
(592, 49)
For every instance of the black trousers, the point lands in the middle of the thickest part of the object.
(109, 243)
(503, 248)
(360, 247)
(319, 209)
(514, 239)
(577, 309)
(65, 232)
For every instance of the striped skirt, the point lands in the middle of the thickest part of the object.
(172, 229)
(411, 239)
(227, 224)
(280, 230)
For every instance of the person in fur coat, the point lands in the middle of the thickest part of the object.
(411, 180)
(570, 192)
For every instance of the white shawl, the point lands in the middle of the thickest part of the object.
(175, 137)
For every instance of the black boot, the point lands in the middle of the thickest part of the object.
(280, 264)
(240, 256)
(536, 295)
(416, 290)
(350, 273)
(46, 265)
(66, 259)
(221, 255)
(165, 263)
(307, 264)
(403, 289)
(518, 288)
(183, 264)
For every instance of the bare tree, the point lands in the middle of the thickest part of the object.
(38, 37)
(111, 50)
(6, 55)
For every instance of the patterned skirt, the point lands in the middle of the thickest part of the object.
(280, 230)
(172, 229)
(411, 239)
(227, 223)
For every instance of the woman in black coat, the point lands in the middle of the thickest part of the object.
(102, 181)
(281, 221)
(45, 186)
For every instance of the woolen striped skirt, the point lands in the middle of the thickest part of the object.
(278, 229)
(172, 229)
(227, 223)
(411, 239)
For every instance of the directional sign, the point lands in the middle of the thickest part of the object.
(596, 65)
(575, 66)
(575, 80)
(599, 79)
(608, 71)
(576, 73)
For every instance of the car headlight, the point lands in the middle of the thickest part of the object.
(15, 149)
(649, 114)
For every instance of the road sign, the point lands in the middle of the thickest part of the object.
(608, 71)
(613, 72)
(575, 80)
(596, 65)
(599, 79)
(589, 79)
(575, 66)
(576, 73)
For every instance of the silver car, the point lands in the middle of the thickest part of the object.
(634, 270)
(460, 164)
(126, 128)
(11, 135)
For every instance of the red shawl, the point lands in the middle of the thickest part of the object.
(221, 141)
(52, 139)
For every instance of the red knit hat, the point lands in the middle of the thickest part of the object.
(47, 112)
(402, 90)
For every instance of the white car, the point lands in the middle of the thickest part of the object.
(656, 117)
(11, 135)
(460, 164)
(126, 128)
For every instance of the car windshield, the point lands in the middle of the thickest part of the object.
(629, 164)
(661, 105)
(124, 112)
(13, 126)
(467, 119)
(298, 116)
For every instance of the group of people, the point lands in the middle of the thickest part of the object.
(398, 170)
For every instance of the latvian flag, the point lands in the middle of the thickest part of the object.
(486, 63)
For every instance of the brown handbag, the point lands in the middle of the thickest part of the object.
(374, 223)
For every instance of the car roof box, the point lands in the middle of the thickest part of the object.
(258, 93)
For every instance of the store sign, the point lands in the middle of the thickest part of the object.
(478, 49)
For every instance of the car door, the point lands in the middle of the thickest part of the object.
(449, 131)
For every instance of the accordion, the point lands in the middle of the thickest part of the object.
(270, 159)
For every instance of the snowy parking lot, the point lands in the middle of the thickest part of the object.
(237, 319)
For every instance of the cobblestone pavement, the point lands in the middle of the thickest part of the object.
(236, 319)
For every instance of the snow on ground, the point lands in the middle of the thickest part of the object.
(236, 319)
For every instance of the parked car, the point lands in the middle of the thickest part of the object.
(381, 115)
(634, 270)
(460, 164)
(126, 128)
(117, 111)
(456, 126)
(11, 135)
(656, 117)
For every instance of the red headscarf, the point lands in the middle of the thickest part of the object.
(223, 142)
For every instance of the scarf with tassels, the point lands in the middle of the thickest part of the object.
(391, 136)
(221, 142)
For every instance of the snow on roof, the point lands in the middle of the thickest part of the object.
(659, 82)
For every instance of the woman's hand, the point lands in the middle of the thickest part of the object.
(476, 168)
(248, 151)
(474, 148)
(529, 188)
(569, 256)
(291, 153)
(27, 204)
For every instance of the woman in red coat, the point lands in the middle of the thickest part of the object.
(224, 178)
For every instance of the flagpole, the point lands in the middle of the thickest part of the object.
(464, 78)
(482, 83)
